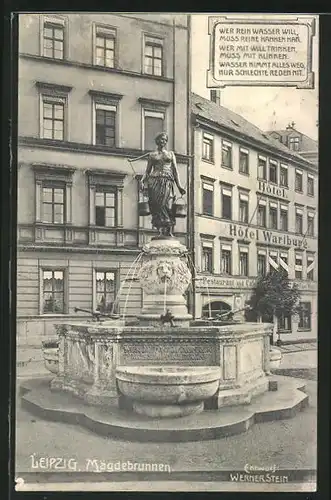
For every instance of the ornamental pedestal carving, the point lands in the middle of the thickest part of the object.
(164, 277)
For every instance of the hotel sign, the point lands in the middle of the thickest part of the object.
(265, 236)
(266, 188)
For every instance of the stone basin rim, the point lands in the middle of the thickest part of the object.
(168, 374)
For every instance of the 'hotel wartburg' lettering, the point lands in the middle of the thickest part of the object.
(266, 236)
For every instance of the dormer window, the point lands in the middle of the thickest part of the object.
(294, 143)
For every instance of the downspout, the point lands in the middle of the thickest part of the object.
(190, 168)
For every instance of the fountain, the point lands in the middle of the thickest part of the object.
(167, 377)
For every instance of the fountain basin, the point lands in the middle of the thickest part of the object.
(168, 391)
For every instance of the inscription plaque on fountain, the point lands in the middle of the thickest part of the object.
(199, 354)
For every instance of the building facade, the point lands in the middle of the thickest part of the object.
(94, 90)
(255, 207)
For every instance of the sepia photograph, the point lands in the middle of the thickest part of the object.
(167, 252)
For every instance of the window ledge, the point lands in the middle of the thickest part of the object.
(227, 167)
(206, 160)
(244, 173)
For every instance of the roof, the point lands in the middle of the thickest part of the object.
(308, 144)
(226, 118)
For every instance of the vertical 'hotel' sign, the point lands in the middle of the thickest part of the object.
(260, 52)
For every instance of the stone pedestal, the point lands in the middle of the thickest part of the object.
(164, 277)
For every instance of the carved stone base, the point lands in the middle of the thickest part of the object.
(167, 411)
(242, 395)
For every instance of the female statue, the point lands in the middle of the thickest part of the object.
(159, 181)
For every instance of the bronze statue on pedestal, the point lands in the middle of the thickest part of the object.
(158, 183)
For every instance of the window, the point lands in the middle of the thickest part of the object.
(305, 316)
(244, 161)
(53, 117)
(262, 168)
(207, 258)
(226, 202)
(283, 262)
(105, 208)
(153, 56)
(299, 220)
(226, 154)
(298, 266)
(285, 323)
(243, 207)
(273, 215)
(226, 267)
(310, 267)
(261, 263)
(105, 291)
(53, 204)
(243, 261)
(294, 143)
(262, 213)
(105, 125)
(310, 223)
(273, 171)
(105, 47)
(153, 125)
(53, 40)
(53, 201)
(207, 147)
(52, 291)
(283, 176)
(310, 185)
(207, 199)
(284, 217)
(298, 181)
(105, 198)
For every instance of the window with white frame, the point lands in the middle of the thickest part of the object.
(283, 262)
(105, 118)
(294, 143)
(273, 260)
(261, 262)
(207, 146)
(310, 223)
(298, 181)
(53, 291)
(207, 264)
(262, 168)
(273, 174)
(298, 265)
(53, 110)
(243, 207)
(226, 201)
(105, 286)
(106, 198)
(304, 316)
(53, 37)
(299, 220)
(310, 266)
(244, 161)
(273, 215)
(283, 175)
(207, 198)
(226, 259)
(104, 46)
(262, 213)
(154, 124)
(310, 185)
(226, 154)
(243, 261)
(53, 203)
(53, 193)
(283, 219)
(153, 56)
